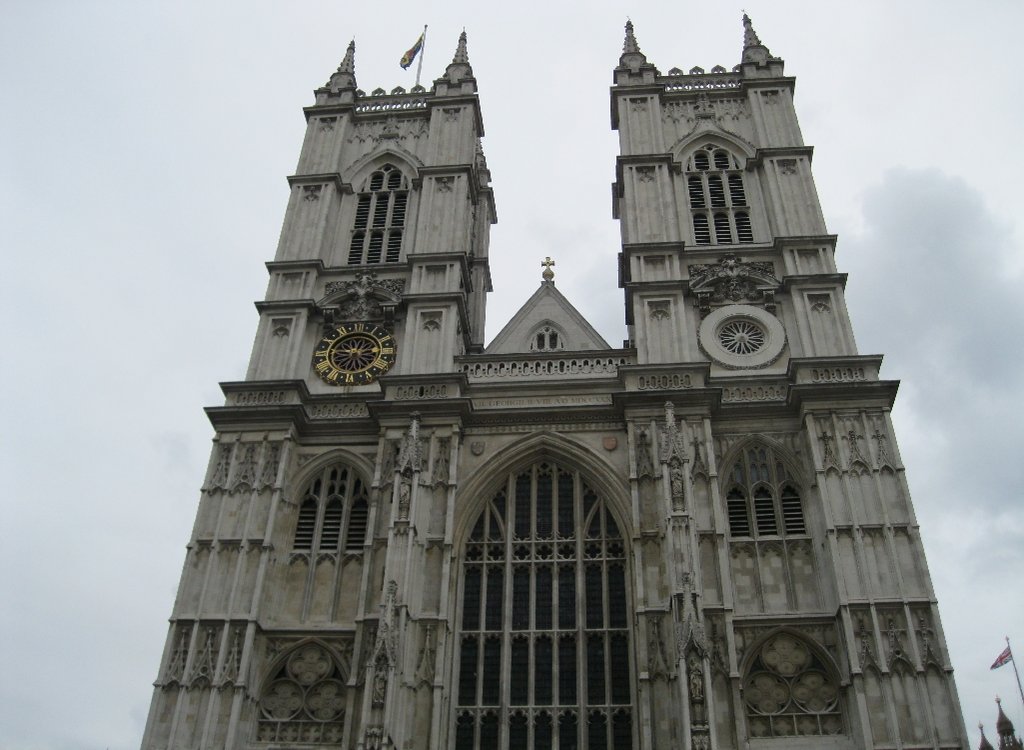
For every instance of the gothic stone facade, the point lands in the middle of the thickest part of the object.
(703, 539)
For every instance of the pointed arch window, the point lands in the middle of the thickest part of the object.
(304, 700)
(380, 218)
(547, 338)
(544, 633)
(714, 180)
(790, 691)
(761, 497)
(333, 513)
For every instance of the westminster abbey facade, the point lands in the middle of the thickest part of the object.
(410, 538)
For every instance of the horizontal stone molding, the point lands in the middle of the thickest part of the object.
(837, 374)
(337, 411)
(416, 392)
(534, 368)
(664, 382)
(754, 392)
(533, 402)
(260, 398)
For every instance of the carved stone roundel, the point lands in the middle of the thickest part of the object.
(742, 337)
(326, 700)
(282, 701)
(309, 664)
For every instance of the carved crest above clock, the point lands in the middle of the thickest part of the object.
(366, 298)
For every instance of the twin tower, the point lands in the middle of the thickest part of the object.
(408, 538)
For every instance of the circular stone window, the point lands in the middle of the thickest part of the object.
(742, 337)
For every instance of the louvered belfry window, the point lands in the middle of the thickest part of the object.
(333, 513)
(718, 200)
(380, 218)
(544, 655)
(761, 497)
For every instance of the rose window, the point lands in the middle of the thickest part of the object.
(789, 692)
(741, 336)
(304, 701)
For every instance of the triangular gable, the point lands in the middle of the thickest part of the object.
(547, 307)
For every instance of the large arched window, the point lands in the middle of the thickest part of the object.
(333, 512)
(544, 656)
(790, 691)
(714, 184)
(761, 496)
(380, 218)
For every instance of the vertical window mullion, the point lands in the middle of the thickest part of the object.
(581, 614)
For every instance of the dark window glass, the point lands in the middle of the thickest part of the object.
(467, 671)
(723, 233)
(792, 512)
(739, 519)
(471, 599)
(743, 231)
(519, 680)
(701, 232)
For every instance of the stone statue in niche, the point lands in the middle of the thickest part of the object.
(404, 492)
(644, 462)
(675, 475)
(698, 713)
(441, 463)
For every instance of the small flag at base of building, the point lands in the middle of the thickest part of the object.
(408, 57)
(1002, 659)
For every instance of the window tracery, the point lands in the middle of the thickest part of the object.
(380, 218)
(718, 200)
(544, 641)
(761, 496)
(333, 513)
(547, 338)
(789, 691)
(304, 700)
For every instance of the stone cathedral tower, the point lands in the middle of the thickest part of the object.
(704, 539)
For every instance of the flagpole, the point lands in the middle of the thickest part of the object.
(1015, 672)
(423, 51)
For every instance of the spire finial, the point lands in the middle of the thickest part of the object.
(461, 55)
(345, 76)
(632, 59)
(750, 38)
(985, 744)
(629, 46)
(548, 274)
(1003, 724)
(348, 63)
(459, 70)
(753, 50)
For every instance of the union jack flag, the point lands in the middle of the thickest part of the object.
(1003, 658)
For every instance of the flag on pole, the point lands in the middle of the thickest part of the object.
(410, 56)
(1003, 658)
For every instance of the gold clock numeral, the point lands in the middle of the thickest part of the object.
(323, 366)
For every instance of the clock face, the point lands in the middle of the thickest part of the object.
(354, 354)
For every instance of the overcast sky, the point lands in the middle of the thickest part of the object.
(143, 151)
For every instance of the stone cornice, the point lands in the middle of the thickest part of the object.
(813, 279)
(284, 305)
(777, 151)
